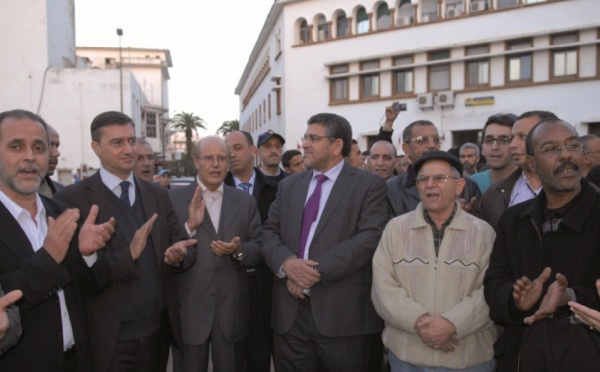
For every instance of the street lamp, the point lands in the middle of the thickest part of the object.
(120, 33)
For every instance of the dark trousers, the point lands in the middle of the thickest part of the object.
(259, 343)
(140, 355)
(304, 349)
(226, 356)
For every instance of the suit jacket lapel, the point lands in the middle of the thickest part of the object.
(342, 183)
(12, 235)
(149, 204)
(227, 211)
(298, 202)
(98, 193)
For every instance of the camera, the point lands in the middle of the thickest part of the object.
(399, 106)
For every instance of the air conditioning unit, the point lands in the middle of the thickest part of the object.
(454, 10)
(477, 6)
(425, 100)
(446, 98)
(404, 21)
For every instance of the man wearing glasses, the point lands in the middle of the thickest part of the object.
(214, 292)
(420, 137)
(545, 255)
(496, 137)
(429, 288)
(520, 185)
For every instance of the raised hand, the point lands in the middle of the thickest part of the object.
(93, 237)
(590, 317)
(177, 252)
(556, 296)
(467, 207)
(138, 243)
(221, 248)
(301, 271)
(5, 301)
(60, 233)
(196, 210)
(526, 293)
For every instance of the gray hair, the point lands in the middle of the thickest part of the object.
(470, 145)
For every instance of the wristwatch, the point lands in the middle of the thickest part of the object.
(237, 256)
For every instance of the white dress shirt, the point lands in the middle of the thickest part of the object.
(522, 191)
(114, 184)
(250, 181)
(36, 230)
(214, 201)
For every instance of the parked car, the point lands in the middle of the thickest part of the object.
(181, 181)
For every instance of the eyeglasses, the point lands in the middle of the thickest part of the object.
(313, 138)
(591, 152)
(502, 140)
(553, 150)
(212, 158)
(438, 179)
(421, 140)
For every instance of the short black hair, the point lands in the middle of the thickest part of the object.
(407, 133)
(529, 138)
(336, 127)
(287, 156)
(543, 115)
(24, 114)
(108, 118)
(506, 120)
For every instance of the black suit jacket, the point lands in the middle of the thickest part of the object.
(264, 192)
(115, 267)
(40, 277)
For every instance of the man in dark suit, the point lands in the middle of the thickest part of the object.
(244, 176)
(322, 309)
(214, 293)
(36, 254)
(49, 187)
(136, 299)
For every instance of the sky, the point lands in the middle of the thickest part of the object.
(210, 42)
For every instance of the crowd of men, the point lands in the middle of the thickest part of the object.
(328, 259)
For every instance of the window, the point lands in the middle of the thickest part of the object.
(370, 81)
(506, 3)
(405, 13)
(362, 21)
(403, 77)
(478, 71)
(339, 86)
(304, 32)
(151, 124)
(439, 75)
(383, 17)
(430, 11)
(322, 28)
(341, 25)
(519, 65)
(564, 61)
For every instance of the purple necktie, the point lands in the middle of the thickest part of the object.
(311, 210)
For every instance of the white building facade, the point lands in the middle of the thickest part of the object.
(42, 72)
(453, 62)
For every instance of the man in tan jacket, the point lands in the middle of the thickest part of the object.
(428, 277)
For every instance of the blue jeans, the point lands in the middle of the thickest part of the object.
(400, 366)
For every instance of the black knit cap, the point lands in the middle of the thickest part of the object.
(438, 155)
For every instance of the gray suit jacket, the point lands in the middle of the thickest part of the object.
(343, 244)
(216, 286)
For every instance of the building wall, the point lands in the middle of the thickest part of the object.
(305, 69)
(83, 95)
(61, 34)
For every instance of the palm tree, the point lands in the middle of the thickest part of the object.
(188, 122)
(228, 127)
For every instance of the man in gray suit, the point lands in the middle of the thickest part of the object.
(214, 292)
(322, 310)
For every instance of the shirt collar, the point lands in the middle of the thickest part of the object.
(16, 210)
(205, 189)
(111, 181)
(333, 173)
(237, 181)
